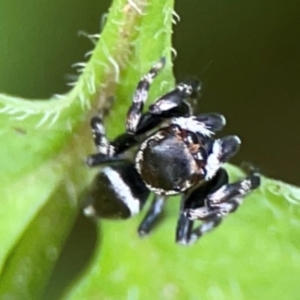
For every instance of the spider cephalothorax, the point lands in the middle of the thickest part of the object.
(180, 157)
(166, 163)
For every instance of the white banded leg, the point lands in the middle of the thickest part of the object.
(140, 96)
(220, 203)
(99, 136)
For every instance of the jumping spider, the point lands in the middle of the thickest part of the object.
(176, 154)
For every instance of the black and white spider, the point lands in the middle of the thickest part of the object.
(176, 154)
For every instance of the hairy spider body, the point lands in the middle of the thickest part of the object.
(179, 169)
(180, 157)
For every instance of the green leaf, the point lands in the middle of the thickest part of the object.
(254, 254)
(42, 172)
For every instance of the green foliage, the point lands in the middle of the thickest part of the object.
(253, 255)
(42, 179)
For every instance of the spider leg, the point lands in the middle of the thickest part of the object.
(234, 192)
(196, 199)
(177, 108)
(170, 105)
(99, 135)
(149, 121)
(221, 150)
(140, 96)
(196, 94)
(229, 146)
(219, 203)
(184, 224)
(214, 121)
(100, 159)
(108, 151)
(152, 215)
(173, 102)
(212, 222)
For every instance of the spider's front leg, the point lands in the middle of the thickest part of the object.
(173, 103)
(140, 96)
(169, 105)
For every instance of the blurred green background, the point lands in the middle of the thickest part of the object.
(246, 53)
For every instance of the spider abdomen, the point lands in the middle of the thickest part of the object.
(117, 192)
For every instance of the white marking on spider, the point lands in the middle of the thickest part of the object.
(184, 87)
(133, 122)
(218, 195)
(99, 128)
(223, 120)
(162, 105)
(198, 213)
(226, 208)
(207, 226)
(193, 125)
(149, 77)
(245, 186)
(103, 148)
(213, 160)
(159, 191)
(160, 64)
(140, 96)
(122, 189)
